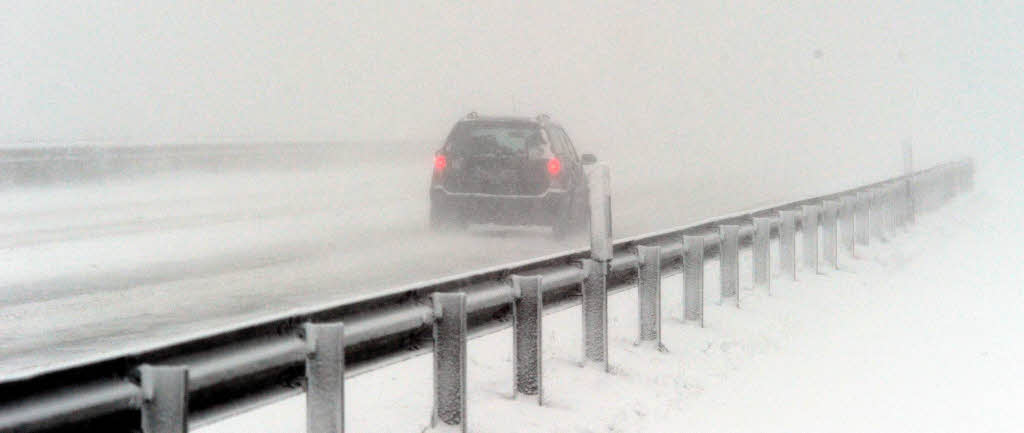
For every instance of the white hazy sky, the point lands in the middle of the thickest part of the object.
(802, 77)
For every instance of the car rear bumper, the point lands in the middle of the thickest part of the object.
(503, 209)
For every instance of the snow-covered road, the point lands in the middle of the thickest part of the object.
(921, 333)
(93, 267)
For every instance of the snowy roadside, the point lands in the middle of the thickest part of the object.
(920, 334)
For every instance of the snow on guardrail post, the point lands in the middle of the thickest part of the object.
(693, 278)
(787, 242)
(810, 234)
(595, 285)
(846, 223)
(762, 254)
(164, 398)
(325, 377)
(648, 285)
(599, 183)
(729, 261)
(449, 361)
(595, 313)
(862, 218)
(527, 317)
(830, 232)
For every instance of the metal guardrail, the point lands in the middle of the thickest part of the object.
(198, 378)
(48, 163)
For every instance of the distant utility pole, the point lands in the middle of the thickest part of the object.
(908, 172)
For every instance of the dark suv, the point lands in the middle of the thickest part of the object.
(509, 170)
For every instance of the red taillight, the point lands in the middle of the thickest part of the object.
(554, 166)
(440, 162)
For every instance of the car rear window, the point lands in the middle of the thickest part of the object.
(496, 138)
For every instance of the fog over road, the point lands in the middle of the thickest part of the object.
(100, 266)
(700, 109)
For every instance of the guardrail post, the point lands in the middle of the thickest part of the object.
(729, 261)
(693, 281)
(862, 219)
(846, 224)
(595, 286)
(649, 295)
(830, 232)
(902, 207)
(325, 377)
(599, 182)
(595, 313)
(527, 319)
(762, 253)
(449, 361)
(877, 214)
(787, 242)
(810, 231)
(164, 398)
